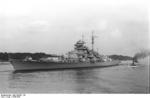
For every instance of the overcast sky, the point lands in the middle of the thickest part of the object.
(53, 26)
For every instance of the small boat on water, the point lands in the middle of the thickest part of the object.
(134, 62)
(80, 57)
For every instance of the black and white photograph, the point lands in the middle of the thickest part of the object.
(74, 47)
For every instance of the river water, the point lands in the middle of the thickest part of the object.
(117, 79)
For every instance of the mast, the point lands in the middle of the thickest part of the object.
(82, 37)
(92, 40)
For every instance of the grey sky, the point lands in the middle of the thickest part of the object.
(53, 26)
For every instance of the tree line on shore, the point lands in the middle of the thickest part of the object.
(120, 57)
(36, 56)
(4, 56)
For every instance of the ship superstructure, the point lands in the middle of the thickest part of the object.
(82, 53)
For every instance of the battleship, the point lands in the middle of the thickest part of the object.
(80, 57)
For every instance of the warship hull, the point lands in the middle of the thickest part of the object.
(35, 65)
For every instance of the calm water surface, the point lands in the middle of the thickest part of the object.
(118, 79)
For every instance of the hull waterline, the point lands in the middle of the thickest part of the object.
(32, 65)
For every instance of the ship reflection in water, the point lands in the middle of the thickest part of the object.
(118, 79)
